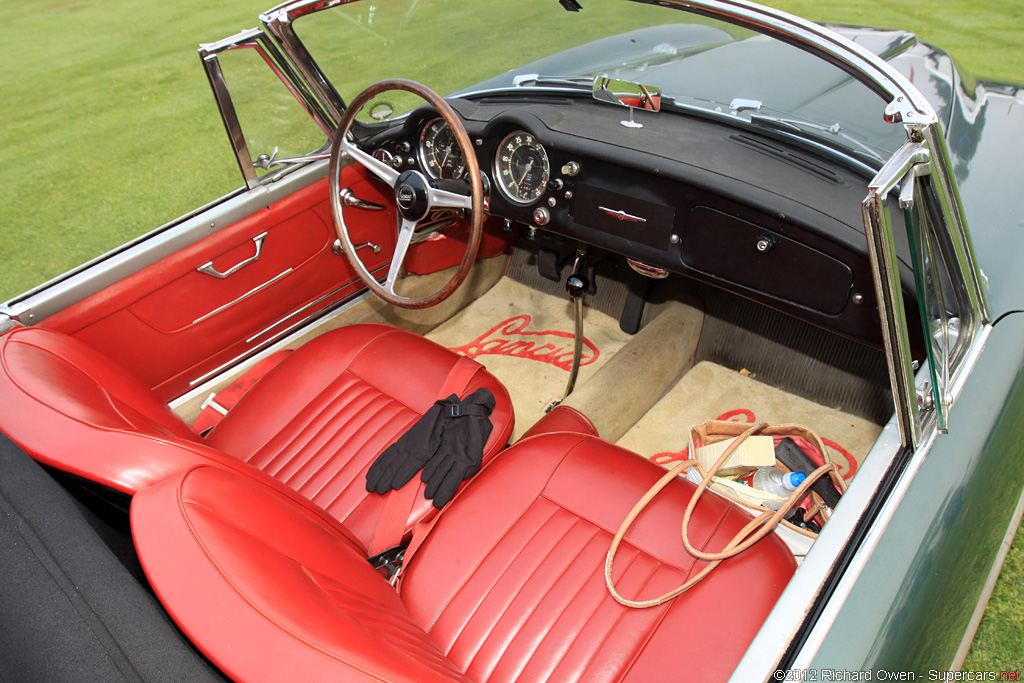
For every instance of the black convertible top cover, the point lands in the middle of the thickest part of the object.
(71, 611)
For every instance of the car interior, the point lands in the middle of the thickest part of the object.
(209, 420)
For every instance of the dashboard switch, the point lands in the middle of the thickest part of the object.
(541, 216)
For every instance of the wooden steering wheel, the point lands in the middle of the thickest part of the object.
(416, 196)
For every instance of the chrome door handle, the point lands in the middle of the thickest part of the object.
(210, 270)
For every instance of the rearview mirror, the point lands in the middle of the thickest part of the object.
(627, 93)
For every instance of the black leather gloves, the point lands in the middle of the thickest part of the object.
(462, 447)
(401, 460)
(447, 443)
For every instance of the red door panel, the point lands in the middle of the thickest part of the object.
(171, 325)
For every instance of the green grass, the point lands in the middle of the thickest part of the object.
(108, 130)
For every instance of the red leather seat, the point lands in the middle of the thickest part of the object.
(508, 585)
(314, 423)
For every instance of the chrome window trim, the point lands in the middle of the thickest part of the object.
(804, 588)
(796, 601)
(254, 39)
(208, 53)
(888, 287)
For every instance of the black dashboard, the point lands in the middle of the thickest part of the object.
(681, 194)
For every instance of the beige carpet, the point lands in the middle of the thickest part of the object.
(525, 338)
(709, 392)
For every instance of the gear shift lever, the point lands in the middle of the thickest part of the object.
(576, 284)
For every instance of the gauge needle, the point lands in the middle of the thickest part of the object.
(528, 167)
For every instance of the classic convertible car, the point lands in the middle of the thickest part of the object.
(622, 220)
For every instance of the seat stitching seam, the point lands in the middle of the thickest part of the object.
(330, 426)
(623, 612)
(301, 425)
(333, 477)
(494, 582)
(583, 585)
(529, 611)
(341, 374)
(522, 512)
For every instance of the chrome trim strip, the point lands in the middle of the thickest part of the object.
(622, 215)
(249, 358)
(296, 312)
(782, 624)
(208, 269)
(652, 272)
(788, 614)
(243, 297)
(864, 551)
(7, 323)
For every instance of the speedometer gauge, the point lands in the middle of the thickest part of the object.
(440, 154)
(521, 168)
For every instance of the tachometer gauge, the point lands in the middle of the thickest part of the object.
(440, 154)
(521, 168)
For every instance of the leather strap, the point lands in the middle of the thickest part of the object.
(394, 518)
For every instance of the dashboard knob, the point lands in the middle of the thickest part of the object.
(766, 243)
(571, 169)
(541, 216)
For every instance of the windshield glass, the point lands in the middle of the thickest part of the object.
(471, 47)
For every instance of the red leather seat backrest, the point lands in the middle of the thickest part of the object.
(74, 409)
(78, 383)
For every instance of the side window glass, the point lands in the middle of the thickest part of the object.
(947, 315)
(275, 124)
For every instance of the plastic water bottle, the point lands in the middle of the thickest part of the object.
(772, 480)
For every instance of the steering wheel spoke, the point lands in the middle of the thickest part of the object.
(374, 166)
(405, 233)
(443, 199)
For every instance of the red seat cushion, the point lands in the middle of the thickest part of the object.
(315, 422)
(508, 585)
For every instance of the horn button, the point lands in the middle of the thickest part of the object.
(411, 195)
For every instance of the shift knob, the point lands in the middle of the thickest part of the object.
(576, 285)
